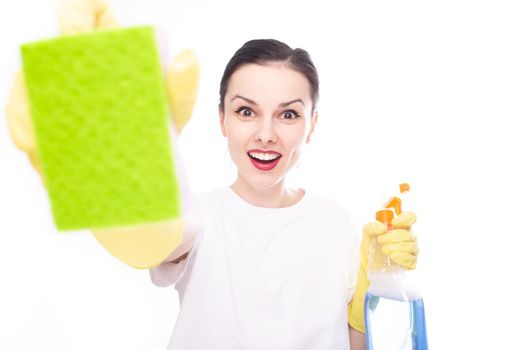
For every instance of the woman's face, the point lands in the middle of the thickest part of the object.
(267, 119)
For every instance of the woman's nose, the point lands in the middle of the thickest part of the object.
(266, 131)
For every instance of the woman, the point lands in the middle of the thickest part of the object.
(263, 265)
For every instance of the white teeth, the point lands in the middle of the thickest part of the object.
(264, 156)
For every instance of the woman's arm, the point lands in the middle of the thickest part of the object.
(357, 339)
(169, 271)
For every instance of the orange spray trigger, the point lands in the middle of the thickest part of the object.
(394, 203)
(385, 216)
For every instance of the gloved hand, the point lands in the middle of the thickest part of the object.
(141, 246)
(398, 243)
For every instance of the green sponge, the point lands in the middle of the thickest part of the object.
(100, 115)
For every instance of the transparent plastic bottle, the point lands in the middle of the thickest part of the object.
(394, 310)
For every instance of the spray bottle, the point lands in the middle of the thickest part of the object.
(394, 310)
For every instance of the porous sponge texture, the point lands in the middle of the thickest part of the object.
(100, 115)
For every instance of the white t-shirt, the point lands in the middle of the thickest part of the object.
(266, 278)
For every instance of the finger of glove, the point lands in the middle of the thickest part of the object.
(18, 116)
(374, 228)
(182, 84)
(19, 121)
(396, 235)
(401, 247)
(408, 261)
(83, 16)
(404, 220)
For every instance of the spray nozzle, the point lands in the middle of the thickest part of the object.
(386, 215)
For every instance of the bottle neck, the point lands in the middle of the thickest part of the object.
(378, 261)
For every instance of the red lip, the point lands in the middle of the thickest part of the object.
(264, 165)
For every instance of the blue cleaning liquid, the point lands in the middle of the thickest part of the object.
(394, 325)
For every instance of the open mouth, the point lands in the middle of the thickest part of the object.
(264, 161)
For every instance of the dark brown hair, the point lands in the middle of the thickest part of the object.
(263, 51)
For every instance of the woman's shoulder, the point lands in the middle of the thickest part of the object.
(326, 201)
(335, 214)
(204, 197)
(327, 205)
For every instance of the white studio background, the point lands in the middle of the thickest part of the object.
(425, 92)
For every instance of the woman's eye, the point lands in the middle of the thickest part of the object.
(290, 115)
(245, 112)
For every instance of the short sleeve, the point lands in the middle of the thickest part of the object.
(353, 260)
(169, 273)
(186, 265)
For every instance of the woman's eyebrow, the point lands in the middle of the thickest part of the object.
(245, 99)
(284, 104)
(252, 102)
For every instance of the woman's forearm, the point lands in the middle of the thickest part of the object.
(357, 339)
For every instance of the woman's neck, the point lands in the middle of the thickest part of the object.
(278, 196)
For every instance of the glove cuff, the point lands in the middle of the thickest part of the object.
(356, 309)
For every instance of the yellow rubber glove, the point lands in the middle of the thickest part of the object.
(140, 246)
(399, 244)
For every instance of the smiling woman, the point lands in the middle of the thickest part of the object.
(264, 265)
(268, 97)
(267, 251)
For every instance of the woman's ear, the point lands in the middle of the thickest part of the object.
(312, 126)
(221, 120)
